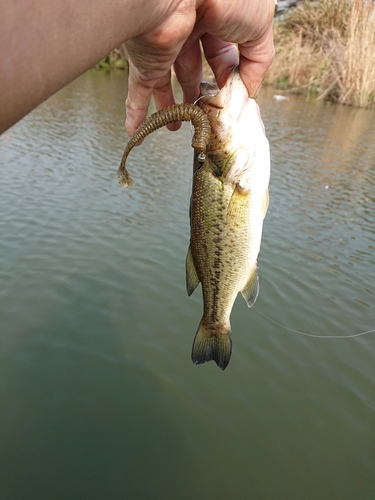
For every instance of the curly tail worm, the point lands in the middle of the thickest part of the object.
(171, 114)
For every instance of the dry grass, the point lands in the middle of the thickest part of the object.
(327, 48)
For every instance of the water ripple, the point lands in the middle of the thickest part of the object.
(96, 325)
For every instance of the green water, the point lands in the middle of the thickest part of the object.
(98, 396)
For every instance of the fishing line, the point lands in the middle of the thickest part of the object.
(315, 336)
(199, 98)
(208, 96)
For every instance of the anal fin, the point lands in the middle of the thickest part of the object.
(192, 280)
(250, 291)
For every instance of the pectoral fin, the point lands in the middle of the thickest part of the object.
(192, 279)
(251, 290)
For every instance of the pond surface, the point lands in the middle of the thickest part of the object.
(99, 397)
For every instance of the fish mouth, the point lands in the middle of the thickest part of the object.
(233, 97)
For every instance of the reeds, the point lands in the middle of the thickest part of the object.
(327, 47)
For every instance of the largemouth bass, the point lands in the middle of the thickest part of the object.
(228, 204)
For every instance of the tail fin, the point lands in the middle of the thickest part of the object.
(212, 342)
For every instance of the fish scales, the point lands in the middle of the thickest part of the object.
(218, 243)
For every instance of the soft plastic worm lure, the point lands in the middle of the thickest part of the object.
(171, 114)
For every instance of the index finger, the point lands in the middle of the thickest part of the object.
(222, 56)
(138, 99)
(255, 59)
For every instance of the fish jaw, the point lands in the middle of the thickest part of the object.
(238, 145)
(232, 97)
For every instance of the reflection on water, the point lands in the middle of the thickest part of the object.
(99, 398)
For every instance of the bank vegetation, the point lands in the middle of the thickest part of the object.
(327, 47)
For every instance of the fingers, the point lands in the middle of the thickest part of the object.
(220, 25)
(221, 56)
(255, 59)
(140, 91)
(189, 70)
(138, 99)
(149, 74)
(163, 97)
(249, 24)
(152, 55)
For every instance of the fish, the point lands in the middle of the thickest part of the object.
(229, 200)
(228, 204)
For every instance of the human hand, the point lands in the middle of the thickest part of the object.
(231, 32)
